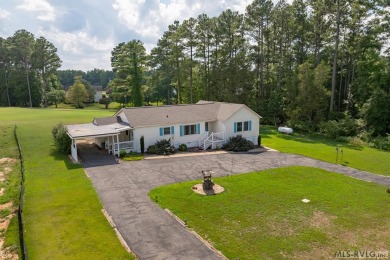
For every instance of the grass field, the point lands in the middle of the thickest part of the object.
(11, 186)
(63, 217)
(261, 216)
(365, 158)
(114, 106)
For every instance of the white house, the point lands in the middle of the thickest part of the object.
(204, 124)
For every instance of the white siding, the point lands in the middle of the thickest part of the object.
(243, 114)
(217, 127)
(152, 135)
(99, 141)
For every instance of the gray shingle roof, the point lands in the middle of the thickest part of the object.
(203, 111)
(107, 120)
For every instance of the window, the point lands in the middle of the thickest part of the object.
(242, 126)
(206, 126)
(167, 130)
(239, 126)
(246, 126)
(189, 129)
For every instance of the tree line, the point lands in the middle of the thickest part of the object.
(304, 63)
(95, 77)
(28, 68)
(30, 75)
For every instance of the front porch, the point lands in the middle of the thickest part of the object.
(213, 140)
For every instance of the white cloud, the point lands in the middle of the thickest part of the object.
(4, 14)
(79, 50)
(77, 42)
(45, 11)
(86, 31)
(151, 19)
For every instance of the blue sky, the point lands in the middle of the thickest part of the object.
(86, 31)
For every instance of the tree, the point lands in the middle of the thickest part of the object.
(378, 113)
(46, 61)
(90, 89)
(188, 30)
(5, 66)
(335, 56)
(56, 96)
(257, 20)
(77, 93)
(61, 138)
(128, 62)
(313, 96)
(22, 44)
(106, 101)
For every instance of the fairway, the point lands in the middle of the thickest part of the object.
(63, 218)
(261, 216)
(321, 148)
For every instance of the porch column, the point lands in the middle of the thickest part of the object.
(117, 143)
(112, 145)
(74, 151)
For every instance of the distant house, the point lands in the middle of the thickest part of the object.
(204, 125)
(98, 95)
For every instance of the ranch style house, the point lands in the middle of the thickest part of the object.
(205, 124)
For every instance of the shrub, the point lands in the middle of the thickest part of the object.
(122, 153)
(342, 139)
(162, 147)
(183, 147)
(382, 143)
(356, 142)
(142, 143)
(300, 126)
(151, 149)
(344, 127)
(61, 139)
(238, 144)
(330, 128)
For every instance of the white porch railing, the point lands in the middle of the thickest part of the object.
(126, 145)
(211, 139)
(129, 145)
(203, 138)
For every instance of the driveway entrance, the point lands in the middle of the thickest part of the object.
(149, 231)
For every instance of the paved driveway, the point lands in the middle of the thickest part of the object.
(149, 231)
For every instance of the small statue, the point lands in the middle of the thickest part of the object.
(207, 182)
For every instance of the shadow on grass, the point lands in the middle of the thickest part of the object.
(59, 156)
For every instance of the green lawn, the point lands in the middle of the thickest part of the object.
(261, 216)
(114, 106)
(8, 149)
(133, 157)
(365, 158)
(63, 215)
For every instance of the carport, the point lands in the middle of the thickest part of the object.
(92, 131)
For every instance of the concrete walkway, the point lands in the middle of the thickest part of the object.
(150, 231)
